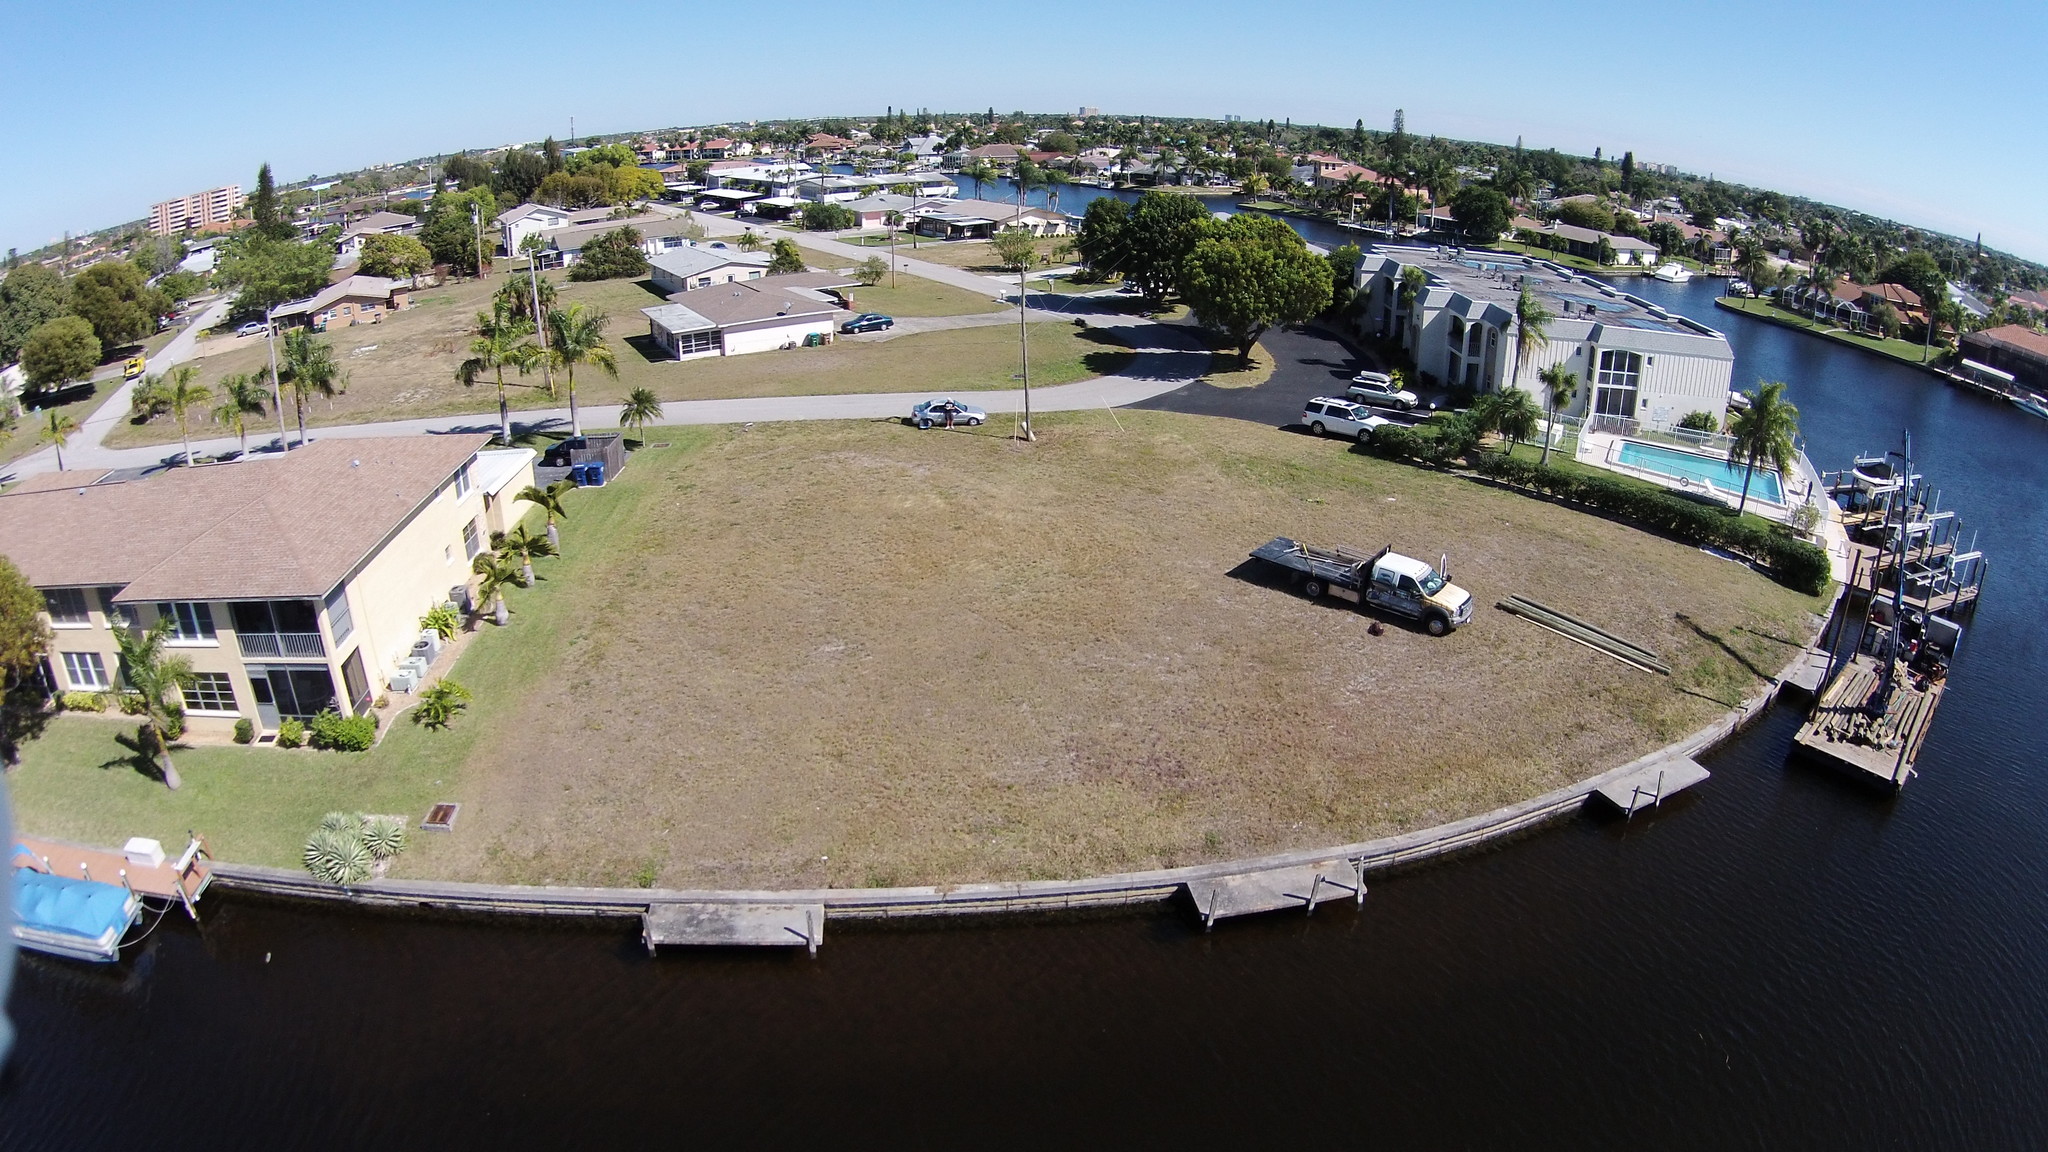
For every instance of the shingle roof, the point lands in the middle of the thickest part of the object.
(290, 526)
(365, 287)
(684, 263)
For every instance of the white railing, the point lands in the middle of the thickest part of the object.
(281, 644)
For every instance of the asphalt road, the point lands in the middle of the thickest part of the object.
(1307, 363)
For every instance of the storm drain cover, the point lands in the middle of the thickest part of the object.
(441, 817)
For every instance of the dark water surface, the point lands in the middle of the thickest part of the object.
(1777, 960)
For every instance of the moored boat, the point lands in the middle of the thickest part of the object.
(1672, 272)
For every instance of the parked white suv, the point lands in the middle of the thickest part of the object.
(1379, 388)
(1326, 417)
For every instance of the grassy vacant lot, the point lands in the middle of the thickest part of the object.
(1906, 351)
(856, 654)
(917, 296)
(405, 366)
(977, 256)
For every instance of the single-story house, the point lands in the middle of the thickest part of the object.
(968, 219)
(2014, 349)
(873, 211)
(294, 583)
(737, 318)
(1003, 156)
(690, 268)
(658, 234)
(517, 223)
(375, 224)
(1585, 242)
(356, 300)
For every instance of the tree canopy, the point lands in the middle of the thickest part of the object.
(615, 255)
(112, 297)
(30, 297)
(271, 221)
(828, 218)
(785, 256)
(1483, 213)
(268, 272)
(450, 229)
(398, 257)
(60, 351)
(1246, 274)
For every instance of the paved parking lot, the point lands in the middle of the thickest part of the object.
(1307, 363)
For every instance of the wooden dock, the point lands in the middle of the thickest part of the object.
(184, 879)
(734, 925)
(1648, 786)
(1302, 887)
(1845, 731)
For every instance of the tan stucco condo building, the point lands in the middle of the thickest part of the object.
(293, 583)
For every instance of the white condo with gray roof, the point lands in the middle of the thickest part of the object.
(1635, 361)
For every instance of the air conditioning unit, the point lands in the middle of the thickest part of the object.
(418, 666)
(428, 645)
(406, 679)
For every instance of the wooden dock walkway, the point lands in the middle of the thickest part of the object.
(184, 879)
(1843, 731)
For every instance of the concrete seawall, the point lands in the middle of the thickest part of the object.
(1124, 888)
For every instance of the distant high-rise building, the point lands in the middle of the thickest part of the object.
(1089, 113)
(208, 211)
(1228, 119)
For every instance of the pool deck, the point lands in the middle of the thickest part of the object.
(1603, 450)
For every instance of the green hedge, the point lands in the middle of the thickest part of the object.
(1794, 562)
(335, 732)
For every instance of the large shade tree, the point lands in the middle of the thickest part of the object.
(1249, 273)
(24, 637)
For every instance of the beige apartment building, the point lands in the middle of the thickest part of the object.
(209, 211)
(293, 583)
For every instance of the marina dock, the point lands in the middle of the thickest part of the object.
(1650, 785)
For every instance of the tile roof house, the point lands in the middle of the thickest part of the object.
(293, 582)
(2014, 349)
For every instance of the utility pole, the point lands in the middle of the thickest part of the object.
(476, 216)
(540, 322)
(1023, 324)
(276, 389)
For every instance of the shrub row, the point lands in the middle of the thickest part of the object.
(337, 733)
(1794, 562)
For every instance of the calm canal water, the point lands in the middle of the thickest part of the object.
(1776, 960)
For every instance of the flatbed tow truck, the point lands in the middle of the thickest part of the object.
(1385, 579)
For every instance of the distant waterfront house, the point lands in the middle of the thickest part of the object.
(1638, 365)
(375, 224)
(293, 583)
(356, 300)
(1585, 242)
(1001, 156)
(968, 219)
(738, 318)
(2013, 349)
(873, 211)
(690, 268)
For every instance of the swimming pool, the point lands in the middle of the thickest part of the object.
(1699, 469)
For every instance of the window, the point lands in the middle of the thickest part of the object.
(358, 685)
(462, 482)
(67, 607)
(1620, 369)
(691, 343)
(85, 670)
(117, 614)
(472, 538)
(211, 692)
(188, 622)
(340, 622)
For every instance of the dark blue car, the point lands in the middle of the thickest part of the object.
(868, 322)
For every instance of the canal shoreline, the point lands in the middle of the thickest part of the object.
(1373, 857)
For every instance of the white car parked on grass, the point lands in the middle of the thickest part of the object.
(1327, 417)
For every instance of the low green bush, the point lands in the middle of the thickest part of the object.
(245, 731)
(130, 703)
(291, 734)
(334, 732)
(83, 701)
(1792, 561)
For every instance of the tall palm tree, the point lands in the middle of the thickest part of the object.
(1766, 430)
(56, 431)
(309, 370)
(1514, 417)
(892, 220)
(549, 500)
(500, 343)
(978, 172)
(521, 544)
(241, 396)
(185, 393)
(1054, 178)
(153, 677)
(749, 241)
(1559, 387)
(499, 573)
(642, 408)
(1532, 324)
(1440, 177)
(576, 336)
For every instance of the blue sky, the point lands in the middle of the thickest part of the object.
(1929, 114)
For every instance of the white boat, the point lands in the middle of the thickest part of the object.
(1672, 273)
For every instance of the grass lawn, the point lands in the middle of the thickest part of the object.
(405, 366)
(1906, 351)
(977, 256)
(857, 654)
(26, 435)
(917, 296)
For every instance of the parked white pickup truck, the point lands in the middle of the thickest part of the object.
(1386, 579)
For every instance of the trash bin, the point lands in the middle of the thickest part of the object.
(594, 472)
(579, 474)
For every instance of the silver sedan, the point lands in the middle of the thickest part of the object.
(945, 413)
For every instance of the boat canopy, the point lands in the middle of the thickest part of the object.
(77, 917)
